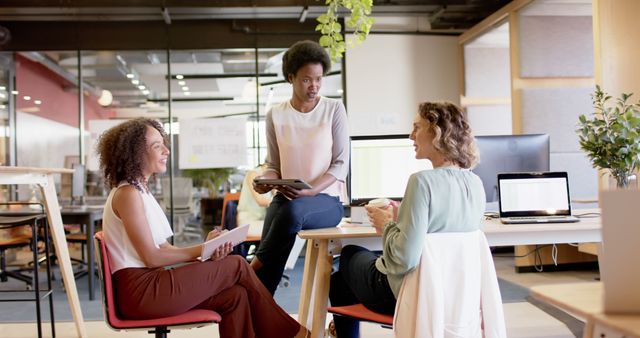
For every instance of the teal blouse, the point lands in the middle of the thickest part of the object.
(445, 199)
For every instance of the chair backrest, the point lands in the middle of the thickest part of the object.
(452, 292)
(182, 192)
(104, 270)
(230, 196)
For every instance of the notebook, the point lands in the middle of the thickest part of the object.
(620, 254)
(541, 197)
(236, 236)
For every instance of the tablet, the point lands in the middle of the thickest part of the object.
(295, 183)
(235, 236)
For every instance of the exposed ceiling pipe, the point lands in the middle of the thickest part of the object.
(61, 71)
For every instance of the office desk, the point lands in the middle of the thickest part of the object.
(322, 244)
(43, 178)
(86, 216)
(584, 301)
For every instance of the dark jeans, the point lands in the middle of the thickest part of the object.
(359, 281)
(282, 222)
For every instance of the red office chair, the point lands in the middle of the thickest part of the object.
(360, 312)
(158, 326)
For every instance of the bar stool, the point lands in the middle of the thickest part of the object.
(9, 222)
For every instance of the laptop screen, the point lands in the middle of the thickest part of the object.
(534, 194)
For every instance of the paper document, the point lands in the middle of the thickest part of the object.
(235, 236)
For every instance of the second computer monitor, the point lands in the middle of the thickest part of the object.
(510, 153)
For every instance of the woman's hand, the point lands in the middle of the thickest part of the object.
(293, 193)
(264, 188)
(222, 251)
(379, 216)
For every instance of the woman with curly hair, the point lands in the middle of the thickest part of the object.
(449, 198)
(136, 231)
(307, 138)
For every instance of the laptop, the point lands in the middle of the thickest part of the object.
(541, 197)
(620, 256)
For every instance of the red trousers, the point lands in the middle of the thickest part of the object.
(229, 287)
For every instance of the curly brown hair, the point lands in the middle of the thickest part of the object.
(302, 53)
(121, 150)
(452, 134)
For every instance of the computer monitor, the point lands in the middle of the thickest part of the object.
(510, 153)
(78, 183)
(381, 166)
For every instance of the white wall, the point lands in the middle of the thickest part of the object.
(389, 75)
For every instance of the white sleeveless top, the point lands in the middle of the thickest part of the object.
(122, 253)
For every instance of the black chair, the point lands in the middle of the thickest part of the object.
(33, 282)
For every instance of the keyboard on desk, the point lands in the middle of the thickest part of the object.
(539, 219)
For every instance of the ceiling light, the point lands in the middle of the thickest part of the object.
(303, 14)
(2, 106)
(3, 88)
(179, 77)
(2, 96)
(340, 91)
(182, 83)
(135, 82)
(130, 76)
(185, 88)
(37, 102)
(145, 92)
(141, 87)
(105, 98)
(187, 93)
(27, 98)
(14, 92)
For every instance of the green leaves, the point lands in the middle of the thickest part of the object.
(331, 29)
(611, 139)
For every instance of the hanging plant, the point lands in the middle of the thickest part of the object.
(331, 29)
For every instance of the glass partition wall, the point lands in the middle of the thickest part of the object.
(47, 123)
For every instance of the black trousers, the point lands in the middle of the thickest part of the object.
(359, 281)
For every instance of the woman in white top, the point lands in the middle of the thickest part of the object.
(307, 138)
(136, 232)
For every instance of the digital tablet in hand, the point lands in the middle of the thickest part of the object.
(295, 183)
(235, 236)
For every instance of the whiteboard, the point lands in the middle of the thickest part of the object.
(212, 143)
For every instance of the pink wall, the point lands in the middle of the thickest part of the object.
(58, 104)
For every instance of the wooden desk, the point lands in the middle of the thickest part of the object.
(43, 178)
(584, 301)
(322, 244)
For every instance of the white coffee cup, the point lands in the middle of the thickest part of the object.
(379, 203)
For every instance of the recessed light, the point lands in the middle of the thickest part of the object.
(14, 92)
(2, 96)
(185, 88)
(187, 93)
(182, 83)
(145, 92)
(3, 88)
(141, 87)
(130, 76)
(179, 77)
(38, 102)
(27, 98)
(2, 106)
(135, 82)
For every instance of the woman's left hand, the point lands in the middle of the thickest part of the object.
(222, 251)
(293, 193)
(379, 216)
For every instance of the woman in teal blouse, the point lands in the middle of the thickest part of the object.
(449, 198)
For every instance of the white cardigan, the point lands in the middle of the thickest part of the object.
(453, 292)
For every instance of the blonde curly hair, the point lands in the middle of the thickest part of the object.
(452, 134)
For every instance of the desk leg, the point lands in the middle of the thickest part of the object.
(310, 263)
(588, 328)
(322, 277)
(90, 255)
(62, 252)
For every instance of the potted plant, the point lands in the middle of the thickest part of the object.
(209, 178)
(611, 138)
(331, 30)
